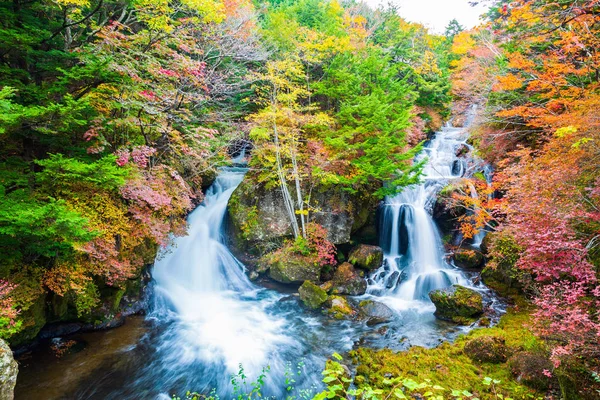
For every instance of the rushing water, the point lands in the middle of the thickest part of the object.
(206, 318)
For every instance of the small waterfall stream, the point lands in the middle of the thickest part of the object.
(414, 260)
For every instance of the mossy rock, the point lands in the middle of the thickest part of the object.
(469, 259)
(457, 304)
(486, 242)
(347, 280)
(366, 256)
(529, 367)
(293, 270)
(490, 349)
(339, 308)
(312, 295)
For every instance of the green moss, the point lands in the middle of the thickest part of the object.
(458, 304)
(312, 295)
(448, 365)
(339, 307)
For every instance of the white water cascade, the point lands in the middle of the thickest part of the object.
(217, 318)
(414, 262)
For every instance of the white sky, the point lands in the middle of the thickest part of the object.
(435, 14)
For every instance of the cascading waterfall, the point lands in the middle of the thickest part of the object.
(207, 318)
(414, 262)
(217, 318)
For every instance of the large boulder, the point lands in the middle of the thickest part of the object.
(375, 312)
(312, 295)
(469, 259)
(258, 216)
(489, 349)
(292, 269)
(366, 256)
(8, 372)
(457, 304)
(347, 280)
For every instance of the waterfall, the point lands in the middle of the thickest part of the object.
(414, 262)
(216, 318)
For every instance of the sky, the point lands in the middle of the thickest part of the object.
(435, 14)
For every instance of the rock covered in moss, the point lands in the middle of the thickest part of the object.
(490, 349)
(457, 304)
(257, 214)
(347, 280)
(470, 259)
(8, 372)
(486, 242)
(366, 256)
(531, 369)
(339, 308)
(312, 295)
(375, 312)
(291, 269)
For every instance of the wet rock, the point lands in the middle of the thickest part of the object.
(8, 372)
(375, 312)
(366, 256)
(469, 259)
(395, 279)
(489, 349)
(59, 329)
(257, 215)
(529, 368)
(339, 308)
(457, 304)
(253, 275)
(292, 270)
(347, 280)
(327, 286)
(462, 150)
(311, 295)
(485, 243)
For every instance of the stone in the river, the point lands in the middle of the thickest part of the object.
(457, 304)
(339, 308)
(8, 372)
(366, 256)
(347, 280)
(395, 279)
(470, 259)
(253, 275)
(375, 312)
(293, 270)
(312, 295)
(489, 349)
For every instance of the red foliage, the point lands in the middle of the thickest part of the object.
(317, 238)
